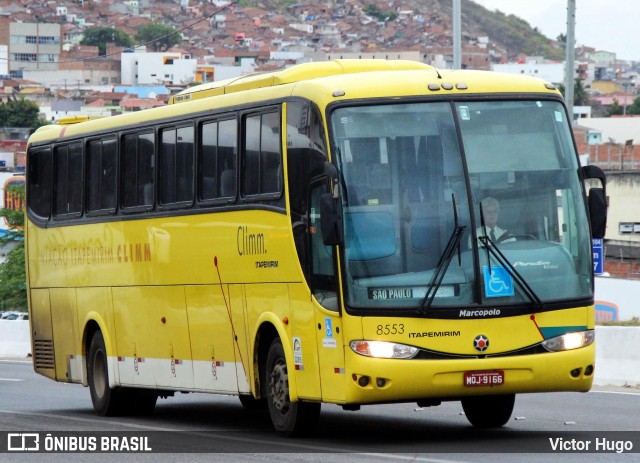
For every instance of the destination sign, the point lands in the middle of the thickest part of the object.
(377, 294)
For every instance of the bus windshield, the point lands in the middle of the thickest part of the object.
(499, 176)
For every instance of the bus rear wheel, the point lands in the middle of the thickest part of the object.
(117, 401)
(104, 399)
(289, 418)
(491, 411)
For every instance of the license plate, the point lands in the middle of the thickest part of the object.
(483, 378)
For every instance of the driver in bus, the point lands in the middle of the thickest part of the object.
(491, 212)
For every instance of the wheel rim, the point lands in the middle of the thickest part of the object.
(99, 373)
(279, 387)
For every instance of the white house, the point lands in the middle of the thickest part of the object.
(551, 72)
(155, 68)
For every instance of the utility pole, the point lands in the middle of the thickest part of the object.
(457, 33)
(569, 72)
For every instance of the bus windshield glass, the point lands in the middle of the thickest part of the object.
(475, 203)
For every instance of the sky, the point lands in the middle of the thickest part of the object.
(610, 25)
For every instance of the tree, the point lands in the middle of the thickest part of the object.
(20, 113)
(13, 278)
(580, 95)
(615, 109)
(159, 36)
(373, 10)
(634, 108)
(101, 35)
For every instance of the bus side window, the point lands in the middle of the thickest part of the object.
(168, 163)
(101, 176)
(39, 186)
(262, 169)
(138, 154)
(67, 184)
(227, 158)
(176, 165)
(217, 164)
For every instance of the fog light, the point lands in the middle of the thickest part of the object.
(588, 371)
(363, 381)
(380, 382)
(576, 372)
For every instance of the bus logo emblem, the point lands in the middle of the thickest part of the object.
(481, 343)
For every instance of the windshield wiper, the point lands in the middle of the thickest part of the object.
(444, 261)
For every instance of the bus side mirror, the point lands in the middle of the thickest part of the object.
(598, 212)
(331, 210)
(597, 201)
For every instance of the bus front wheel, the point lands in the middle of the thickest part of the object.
(489, 411)
(288, 418)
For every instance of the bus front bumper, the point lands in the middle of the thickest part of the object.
(376, 380)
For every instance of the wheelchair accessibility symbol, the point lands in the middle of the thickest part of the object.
(497, 282)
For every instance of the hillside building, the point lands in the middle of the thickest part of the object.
(174, 68)
(31, 46)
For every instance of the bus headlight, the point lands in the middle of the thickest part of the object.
(382, 349)
(569, 341)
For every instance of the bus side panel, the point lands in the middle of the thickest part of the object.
(275, 298)
(330, 341)
(305, 352)
(65, 334)
(212, 344)
(42, 333)
(152, 336)
(244, 365)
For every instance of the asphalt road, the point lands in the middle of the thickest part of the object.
(203, 427)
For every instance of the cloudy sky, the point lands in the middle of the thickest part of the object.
(611, 25)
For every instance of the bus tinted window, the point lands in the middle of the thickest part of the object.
(39, 185)
(68, 180)
(137, 170)
(176, 166)
(262, 173)
(218, 152)
(101, 175)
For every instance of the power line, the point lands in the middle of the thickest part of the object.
(102, 57)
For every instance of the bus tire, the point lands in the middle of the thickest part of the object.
(491, 411)
(105, 400)
(289, 419)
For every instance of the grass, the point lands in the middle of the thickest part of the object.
(635, 321)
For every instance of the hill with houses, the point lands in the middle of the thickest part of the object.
(217, 26)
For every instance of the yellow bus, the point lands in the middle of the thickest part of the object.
(318, 234)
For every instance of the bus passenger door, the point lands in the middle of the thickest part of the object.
(329, 333)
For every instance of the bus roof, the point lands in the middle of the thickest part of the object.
(324, 82)
(293, 74)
